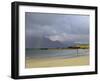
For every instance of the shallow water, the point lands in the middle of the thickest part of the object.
(55, 53)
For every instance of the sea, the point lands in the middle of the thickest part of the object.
(65, 53)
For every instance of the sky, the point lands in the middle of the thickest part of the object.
(47, 30)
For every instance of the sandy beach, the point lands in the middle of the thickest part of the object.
(57, 62)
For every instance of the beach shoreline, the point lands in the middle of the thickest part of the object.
(57, 62)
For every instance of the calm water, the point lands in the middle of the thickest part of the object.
(55, 53)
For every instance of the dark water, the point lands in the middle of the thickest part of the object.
(55, 53)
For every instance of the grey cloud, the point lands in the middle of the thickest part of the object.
(75, 27)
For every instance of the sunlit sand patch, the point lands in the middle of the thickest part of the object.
(57, 62)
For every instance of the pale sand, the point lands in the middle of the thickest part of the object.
(57, 62)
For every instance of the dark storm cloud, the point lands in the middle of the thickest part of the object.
(54, 27)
